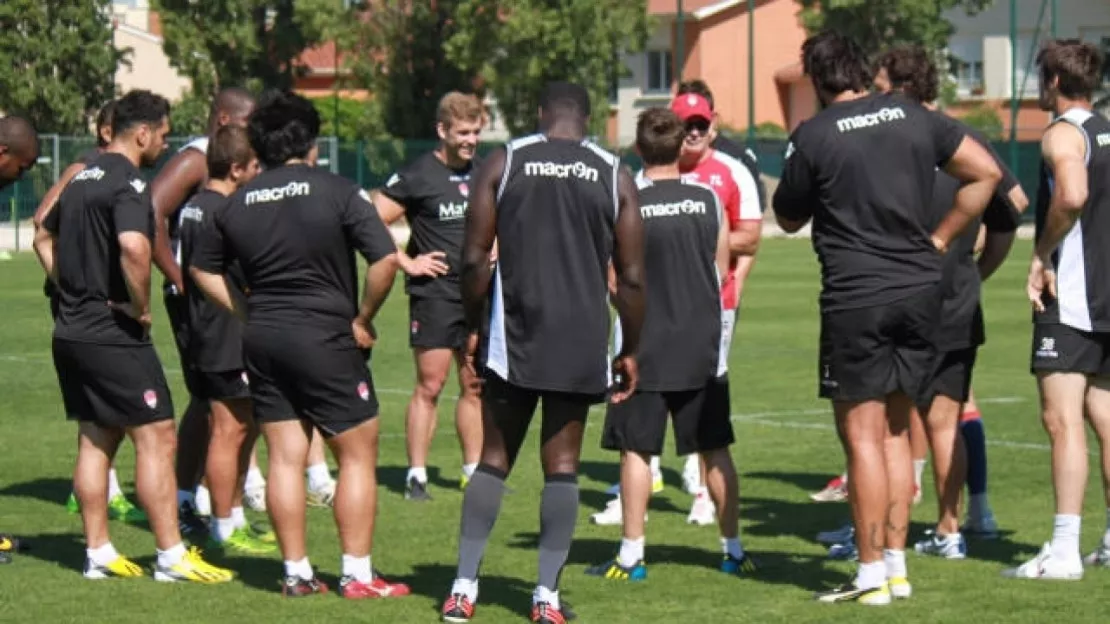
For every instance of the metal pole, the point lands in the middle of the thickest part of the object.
(1013, 86)
(1054, 20)
(680, 42)
(751, 73)
(335, 91)
(15, 215)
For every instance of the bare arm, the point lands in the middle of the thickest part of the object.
(430, 264)
(135, 262)
(628, 263)
(215, 287)
(974, 166)
(724, 251)
(1065, 153)
(52, 195)
(996, 245)
(181, 175)
(44, 249)
(379, 281)
(481, 231)
(744, 240)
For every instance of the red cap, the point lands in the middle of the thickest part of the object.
(689, 105)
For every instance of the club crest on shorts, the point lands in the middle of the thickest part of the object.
(364, 391)
(464, 189)
(414, 327)
(150, 397)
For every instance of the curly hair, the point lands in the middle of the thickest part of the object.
(911, 71)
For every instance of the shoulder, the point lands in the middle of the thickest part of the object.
(697, 188)
(603, 154)
(525, 141)
(199, 144)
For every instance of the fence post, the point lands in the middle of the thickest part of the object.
(361, 145)
(15, 217)
(57, 156)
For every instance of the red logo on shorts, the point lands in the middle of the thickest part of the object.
(150, 397)
(364, 391)
(464, 189)
(414, 327)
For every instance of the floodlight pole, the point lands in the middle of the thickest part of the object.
(680, 40)
(751, 72)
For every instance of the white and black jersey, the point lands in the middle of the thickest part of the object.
(681, 335)
(1082, 260)
(549, 319)
(174, 230)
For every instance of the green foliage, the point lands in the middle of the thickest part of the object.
(517, 46)
(57, 62)
(352, 117)
(189, 116)
(247, 43)
(397, 53)
(986, 120)
(765, 130)
(878, 24)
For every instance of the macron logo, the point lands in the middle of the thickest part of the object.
(1103, 139)
(686, 207)
(278, 193)
(95, 173)
(579, 170)
(886, 115)
(192, 213)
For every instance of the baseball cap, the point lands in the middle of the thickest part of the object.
(689, 105)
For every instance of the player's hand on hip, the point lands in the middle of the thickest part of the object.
(1042, 279)
(470, 359)
(626, 376)
(431, 264)
(132, 311)
(364, 333)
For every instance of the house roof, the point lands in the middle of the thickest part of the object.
(320, 59)
(693, 9)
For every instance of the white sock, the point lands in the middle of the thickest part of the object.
(466, 587)
(319, 477)
(731, 546)
(468, 469)
(654, 463)
(185, 496)
(543, 594)
(103, 555)
(113, 485)
(223, 528)
(844, 478)
(978, 507)
(300, 569)
(1106, 535)
(632, 551)
(871, 575)
(358, 567)
(254, 480)
(238, 517)
(703, 492)
(1065, 536)
(895, 561)
(417, 472)
(172, 556)
(918, 470)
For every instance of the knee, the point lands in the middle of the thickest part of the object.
(429, 386)
(560, 463)
(1058, 422)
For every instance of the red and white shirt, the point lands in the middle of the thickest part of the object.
(738, 194)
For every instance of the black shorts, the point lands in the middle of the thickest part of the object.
(294, 376)
(436, 323)
(111, 385)
(223, 385)
(177, 310)
(509, 408)
(952, 375)
(1058, 348)
(869, 353)
(700, 418)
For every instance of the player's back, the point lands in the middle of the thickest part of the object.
(104, 199)
(681, 333)
(556, 207)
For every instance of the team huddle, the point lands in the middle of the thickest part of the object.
(511, 266)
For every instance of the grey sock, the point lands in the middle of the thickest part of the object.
(558, 514)
(481, 504)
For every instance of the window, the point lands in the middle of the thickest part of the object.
(1028, 74)
(659, 75)
(965, 65)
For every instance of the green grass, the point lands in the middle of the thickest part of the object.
(786, 449)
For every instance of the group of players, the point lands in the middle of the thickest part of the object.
(511, 265)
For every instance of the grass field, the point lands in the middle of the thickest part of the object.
(786, 449)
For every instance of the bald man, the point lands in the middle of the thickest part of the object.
(19, 149)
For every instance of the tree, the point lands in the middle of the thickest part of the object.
(247, 43)
(877, 24)
(57, 61)
(517, 46)
(397, 53)
(985, 119)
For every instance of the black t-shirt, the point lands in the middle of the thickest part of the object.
(549, 314)
(681, 336)
(294, 231)
(215, 335)
(106, 199)
(864, 170)
(961, 324)
(435, 198)
(747, 157)
(84, 158)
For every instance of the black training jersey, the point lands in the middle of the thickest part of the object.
(106, 199)
(294, 230)
(201, 145)
(549, 317)
(746, 157)
(864, 170)
(1082, 260)
(84, 158)
(435, 198)
(682, 322)
(961, 324)
(215, 335)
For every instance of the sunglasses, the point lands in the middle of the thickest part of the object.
(701, 125)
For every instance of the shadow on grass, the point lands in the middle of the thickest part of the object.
(434, 581)
(806, 481)
(48, 490)
(393, 478)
